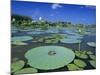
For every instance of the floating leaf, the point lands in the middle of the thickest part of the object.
(70, 41)
(19, 43)
(73, 67)
(89, 52)
(51, 41)
(21, 38)
(80, 63)
(93, 57)
(81, 54)
(74, 37)
(93, 63)
(26, 71)
(92, 44)
(49, 57)
(15, 66)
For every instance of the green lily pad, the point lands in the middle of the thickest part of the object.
(89, 52)
(49, 57)
(70, 40)
(81, 54)
(80, 63)
(51, 41)
(19, 43)
(26, 71)
(93, 63)
(21, 38)
(75, 37)
(92, 44)
(15, 66)
(93, 57)
(73, 67)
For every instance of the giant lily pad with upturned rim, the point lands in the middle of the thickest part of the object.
(21, 38)
(49, 57)
(19, 43)
(70, 40)
(75, 37)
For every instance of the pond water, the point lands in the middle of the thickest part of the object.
(19, 51)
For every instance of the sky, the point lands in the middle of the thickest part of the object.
(77, 14)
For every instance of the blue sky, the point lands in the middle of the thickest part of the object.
(76, 14)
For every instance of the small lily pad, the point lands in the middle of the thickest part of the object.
(93, 57)
(15, 66)
(26, 71)
(51, 41)
(93, 63)
(73, 67)
(81, 54)
(80, 63)
(92, 44)
(89, 52)
(19, 43)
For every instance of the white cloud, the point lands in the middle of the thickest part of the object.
(55, 6)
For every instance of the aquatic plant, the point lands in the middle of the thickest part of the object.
(15, 66)
(92, 44)
(93, 63)
(19, 43)
(89, 52)
(58, 36)
(73, 67)
(49, 57)
(26, 71)
(70, 40)
(74, 37)
(80, 63)
(93, 57)
(35, 32)
(51, 41)
(21, 38)
(81, 54)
